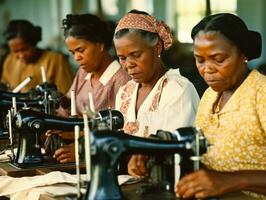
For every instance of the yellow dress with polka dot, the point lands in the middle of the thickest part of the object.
(237, 133)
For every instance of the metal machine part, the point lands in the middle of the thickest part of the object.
(30, 125)
(165, 169)
(108, 146)
(44, 97)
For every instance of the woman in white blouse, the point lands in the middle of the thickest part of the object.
(155, 98)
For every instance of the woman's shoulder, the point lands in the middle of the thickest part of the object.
(129, 86)
(257, 78)
(9, 58)
(257, 83)
(173, 75)
(120, 75)
(176, 80)
(253, 85)
(81, 74)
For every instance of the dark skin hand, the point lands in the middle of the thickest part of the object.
(65, 154)
(207, 183)
(137, 165)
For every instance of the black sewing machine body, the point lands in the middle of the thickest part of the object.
(30, 125)
(108, 146)
(36, 93)
(43, 97)
(9, 95)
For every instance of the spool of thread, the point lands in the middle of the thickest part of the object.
(44, 77)
(10, 127)
(77, 159)
(14, 105)
(22, 84)
(87, 146)
(92, 107)
(73, 104)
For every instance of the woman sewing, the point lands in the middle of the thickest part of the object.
(232, 111)
(26, 59)
(155, 98)
(88, 39)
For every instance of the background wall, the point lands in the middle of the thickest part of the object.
(253, 13)
(49, 13)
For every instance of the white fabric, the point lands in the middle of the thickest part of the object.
(5, 156)
(19, 188)
(53, 184)
(177, 107)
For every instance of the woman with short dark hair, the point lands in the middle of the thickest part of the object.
(231, 113)
(26, 59)
(88, 39)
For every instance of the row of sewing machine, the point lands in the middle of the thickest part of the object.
(26, 117)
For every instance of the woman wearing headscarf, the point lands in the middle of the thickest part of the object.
(155, 98)
(231, 113)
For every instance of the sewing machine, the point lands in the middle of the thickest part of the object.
(9, 95)
(45, 105)
(35, 93)
(43, 97)
(5, 105)
(110, 145)
(30, 125)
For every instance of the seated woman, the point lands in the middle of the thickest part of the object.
(26, 59)
(88, 38)
(155, 98)
(232, 111)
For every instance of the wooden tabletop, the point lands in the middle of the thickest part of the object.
(136, 191)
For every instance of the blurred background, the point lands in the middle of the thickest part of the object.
(180, 15)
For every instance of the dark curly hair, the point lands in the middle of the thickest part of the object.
(233, 28)
(89, 27)
(24, 29)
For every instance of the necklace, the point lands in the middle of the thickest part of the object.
(217, 108)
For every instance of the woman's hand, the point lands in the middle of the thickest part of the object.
(206, 183)
(137, 165)
(65, 154)
(62, 112)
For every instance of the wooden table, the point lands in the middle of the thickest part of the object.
(130, 192)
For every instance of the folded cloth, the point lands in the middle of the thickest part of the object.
(53, 184)
(56, 190)
(4, 157)
(7, 155)
(20, 188)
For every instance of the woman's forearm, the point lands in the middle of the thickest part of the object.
(253, 180)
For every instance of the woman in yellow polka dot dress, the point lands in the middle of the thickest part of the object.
(232, 111)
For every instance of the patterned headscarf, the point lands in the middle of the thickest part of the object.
(147, 23)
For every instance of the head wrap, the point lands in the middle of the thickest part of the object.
(147, 23)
